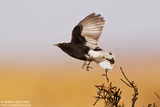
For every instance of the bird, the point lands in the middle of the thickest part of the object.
(83, 44)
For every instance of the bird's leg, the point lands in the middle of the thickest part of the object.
(90, 60)
(87, 68)
(87, 65)
(84, 64)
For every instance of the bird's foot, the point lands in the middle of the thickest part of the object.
(87, 65)
(84, 64)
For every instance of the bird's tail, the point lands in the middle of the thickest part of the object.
(105, 60)
(108, 61)
(105, 65)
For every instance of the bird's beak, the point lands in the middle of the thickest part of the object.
(55, 44)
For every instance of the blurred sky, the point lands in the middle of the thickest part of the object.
(29, 28)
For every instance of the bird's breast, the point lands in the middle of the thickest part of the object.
(77, 51)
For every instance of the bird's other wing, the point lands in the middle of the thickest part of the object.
(88, 30)
(92, 29)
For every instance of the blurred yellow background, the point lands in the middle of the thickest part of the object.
(67, 85)
(32, 69)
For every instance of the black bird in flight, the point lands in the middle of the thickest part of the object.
(84, 40)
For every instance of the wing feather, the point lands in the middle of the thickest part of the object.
(92, 28)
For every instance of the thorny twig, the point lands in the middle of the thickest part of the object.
(157, 95)
(151, 105)
(154, 104)
(111, 95)
(132, 85)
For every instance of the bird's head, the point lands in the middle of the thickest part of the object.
(61, 45)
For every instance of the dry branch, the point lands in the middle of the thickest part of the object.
(157, 95)
(111, 95)
(132, 85)
(152, 105)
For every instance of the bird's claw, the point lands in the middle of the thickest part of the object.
(84, 65)
(87, 66)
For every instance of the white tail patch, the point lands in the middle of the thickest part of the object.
(106, 65)
(103, 59)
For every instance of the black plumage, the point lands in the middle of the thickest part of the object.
(75, 50)
(84, 40)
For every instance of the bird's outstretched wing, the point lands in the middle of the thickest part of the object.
(88, 30)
